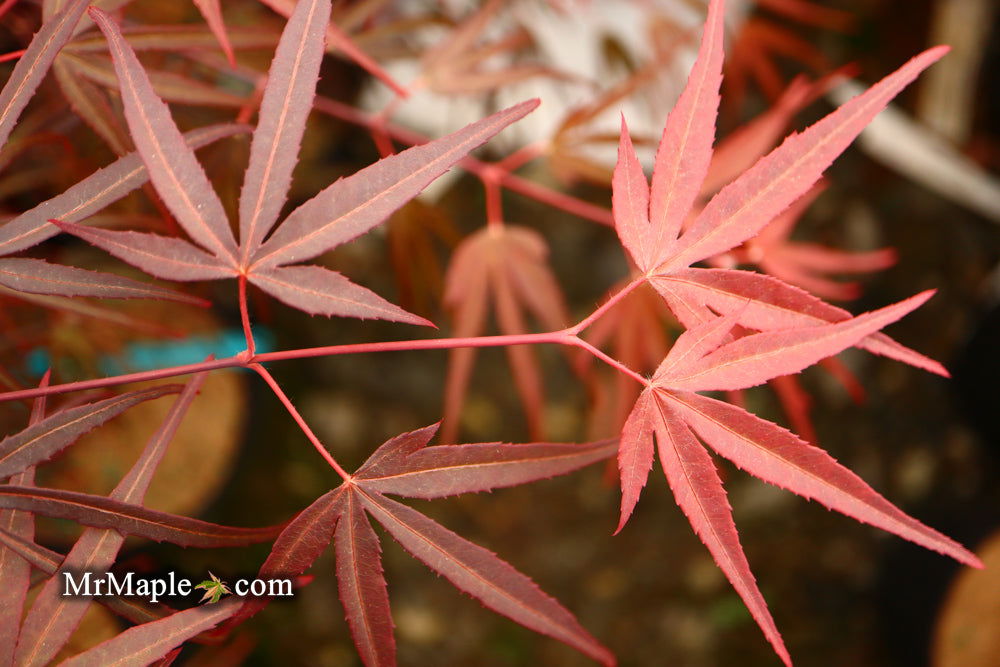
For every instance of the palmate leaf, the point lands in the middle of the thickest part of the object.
(53, 617)
(504, 268)
(406, 466)
(346, 209)
(701, 360)
(743, 207)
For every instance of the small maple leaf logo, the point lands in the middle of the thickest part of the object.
(215, 588)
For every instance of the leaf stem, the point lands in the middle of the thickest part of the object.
(563, 337)
(614, 363)
(245, 318)
(607, 305)
(276, 388)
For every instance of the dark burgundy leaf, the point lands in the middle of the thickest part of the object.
(53, 617)
(482, 575)
(362, 586)
(101, 512)
(143, 644)
(299, 545)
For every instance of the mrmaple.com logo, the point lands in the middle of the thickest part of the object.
(109, 584)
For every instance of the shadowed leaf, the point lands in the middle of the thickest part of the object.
(129, 519)
(212, 12)
(43, 440)
(53, 617)
(32, 66)
(15, 571)
(298, 546)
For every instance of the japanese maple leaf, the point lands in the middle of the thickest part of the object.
(214, 589)
(505, 265)
(650, 218)
(797, 329)
(344, 210)
(671, 408)
(405, 466)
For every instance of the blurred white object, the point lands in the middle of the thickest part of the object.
(897, 141)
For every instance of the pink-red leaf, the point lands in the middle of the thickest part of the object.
(766, 304)
(128, 519)
(212, 12)
(630, 204)
(161, 256)
(406, 466)
(755, 359)
(319, 291)
(698, 491)
(685, 150)
(291, 85)
(105, 186)
(37, 276)
(32, 66)
(777, 456)
(362, 586)
(41, 441)
(173, 168)
(353, 205)
(338, 40)
(482, 575)
(143, 644)
(746, 205)
(635, 454)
